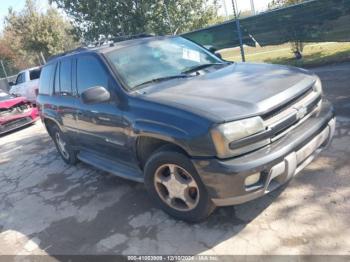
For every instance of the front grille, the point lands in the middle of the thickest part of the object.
(284, 107)
(282, 120)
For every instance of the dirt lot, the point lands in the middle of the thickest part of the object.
(48, 207)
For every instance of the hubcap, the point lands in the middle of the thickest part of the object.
(176, 187)
(61, 145)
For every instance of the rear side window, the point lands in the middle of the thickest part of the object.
(46, 78)
(34, 74)
(90, 73)
(66, 77)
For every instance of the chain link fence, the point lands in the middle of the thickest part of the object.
(9, 70)
(311, 21)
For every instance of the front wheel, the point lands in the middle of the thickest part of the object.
(175, 186)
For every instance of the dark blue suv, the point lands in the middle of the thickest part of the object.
(199, 131)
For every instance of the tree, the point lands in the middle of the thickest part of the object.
(297, 46)
(283, 3)
(95, 19)
(7, 56)
(29, 32)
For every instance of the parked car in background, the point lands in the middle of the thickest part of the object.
(27, 84)
(15, 112)
(199, 131)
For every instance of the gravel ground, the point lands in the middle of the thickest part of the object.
(48, 207)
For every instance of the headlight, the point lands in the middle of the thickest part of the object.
(318, 86)
(227, 133)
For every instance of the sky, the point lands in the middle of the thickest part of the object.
(17, 5)
(242, 5)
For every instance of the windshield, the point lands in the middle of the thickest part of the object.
(5, 96)
(158, 59)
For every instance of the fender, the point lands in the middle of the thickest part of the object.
(161, 131)
(53, 116)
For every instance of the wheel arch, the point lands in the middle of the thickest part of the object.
(49, 122)
(146, 146)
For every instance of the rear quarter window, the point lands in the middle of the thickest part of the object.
(46, 78)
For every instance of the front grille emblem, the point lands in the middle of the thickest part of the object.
(301, 112)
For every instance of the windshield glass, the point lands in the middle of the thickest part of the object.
(158, 58)
(5, 96)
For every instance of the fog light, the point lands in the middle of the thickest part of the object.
(252, 179)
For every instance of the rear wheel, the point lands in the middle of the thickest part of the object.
(175, 186)
(67, 153)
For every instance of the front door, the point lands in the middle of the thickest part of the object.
(100, 126)
(18, 88)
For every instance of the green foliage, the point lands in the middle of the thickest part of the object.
(95, 19)
(283, 3)
(296, 46)
(29, 32)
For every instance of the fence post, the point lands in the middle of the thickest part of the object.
(3, 68)
(238, 31)
(43, 58)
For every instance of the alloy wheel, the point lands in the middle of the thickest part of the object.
(176, 187)
(62, 146)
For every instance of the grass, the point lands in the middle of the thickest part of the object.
(314, 54)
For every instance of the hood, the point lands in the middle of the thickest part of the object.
(11, 102)
(234, 92)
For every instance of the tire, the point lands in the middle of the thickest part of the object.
(157, 171)
(68, 154)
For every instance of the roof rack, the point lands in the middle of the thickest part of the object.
(105, 41)
(116, 39)
(77, 50)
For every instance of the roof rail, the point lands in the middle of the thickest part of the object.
(77, 50)
(106, 41)
(116, 39)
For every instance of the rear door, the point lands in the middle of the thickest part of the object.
(64, 97)
(101, 126)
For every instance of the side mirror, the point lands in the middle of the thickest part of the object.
(95, 95)
(11, 83)
(215, 52)
(218, 55)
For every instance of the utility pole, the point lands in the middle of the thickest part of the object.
(252, 7)
(239, 32)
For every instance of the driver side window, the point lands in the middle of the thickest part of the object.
(90, 73)
(20, 78)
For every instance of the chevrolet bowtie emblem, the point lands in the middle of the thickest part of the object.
(301, 112)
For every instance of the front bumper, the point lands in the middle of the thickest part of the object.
(17, 121)
(277, 163)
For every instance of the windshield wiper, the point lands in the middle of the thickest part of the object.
(160, 79)
(199, 67)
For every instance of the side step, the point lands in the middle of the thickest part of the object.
(114, 167)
